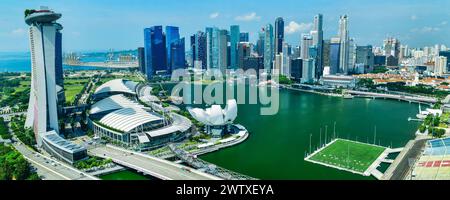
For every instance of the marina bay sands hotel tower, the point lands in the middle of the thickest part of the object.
(46, 71)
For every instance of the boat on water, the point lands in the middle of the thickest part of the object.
(348, 96)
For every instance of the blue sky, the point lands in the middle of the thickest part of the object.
(118, 24)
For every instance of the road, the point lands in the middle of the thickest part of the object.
(153, 166)
(51, 169)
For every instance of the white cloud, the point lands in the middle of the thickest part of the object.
(426, 29)
(214, 15)
(294, 27)
(248, 17)
(76, 33)
(444, 23)
(18, 32)
(413, 17)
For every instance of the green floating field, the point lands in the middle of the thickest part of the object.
(350, 155)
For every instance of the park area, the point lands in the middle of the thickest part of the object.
(347, 155)
(73, 87)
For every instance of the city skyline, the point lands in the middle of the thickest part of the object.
(410, 23)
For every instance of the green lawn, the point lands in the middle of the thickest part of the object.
(73, 81)
(349, 155)
(71, 91)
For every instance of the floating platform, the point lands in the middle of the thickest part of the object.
(351, 156)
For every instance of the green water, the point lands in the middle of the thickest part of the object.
(125, 175)
(277, 144)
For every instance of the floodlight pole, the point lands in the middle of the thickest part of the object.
(310, 135)
(320, 137)
(334, 131)
(375, 136)
(326, 130)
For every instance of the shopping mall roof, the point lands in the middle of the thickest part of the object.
(53, 138)
(112, 103)
(117, 85)
(126, 119)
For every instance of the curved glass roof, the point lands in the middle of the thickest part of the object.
(127, 119)
(113, 103)
(117, 85)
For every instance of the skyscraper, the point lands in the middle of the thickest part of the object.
(335, 50)
(365, 57)
(279, 35)
(200, 48)
(260, 44)
(285, 69)
(234, 41)
(318, 28)
(296, 69)
(351, 55)
(344, 47)
(325, 53)
(244, 49)
(307, 71)
(391, 48)
(155, 51)
(244, 37)
(219, 49)
(447, 55)
(209, 45)
(277, 65)
(268, 47)
(172, 35)
(141, 59)
(306, 42)
(440, 65)
(178, 56)
(45, 50)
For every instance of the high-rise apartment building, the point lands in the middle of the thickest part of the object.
(344, 46)
(268, 47)
(318, 39)
(279, 35)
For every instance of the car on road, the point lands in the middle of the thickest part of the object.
(186, 169)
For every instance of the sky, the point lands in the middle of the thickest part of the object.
(99, 25)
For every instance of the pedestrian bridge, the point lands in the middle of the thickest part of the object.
(417, 99)
(150, 165)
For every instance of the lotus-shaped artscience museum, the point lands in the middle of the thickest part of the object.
(215, 115)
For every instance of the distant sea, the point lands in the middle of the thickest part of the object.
(20, 62)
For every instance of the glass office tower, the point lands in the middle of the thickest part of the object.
(172, 35)
(234, 41)
(155, 51)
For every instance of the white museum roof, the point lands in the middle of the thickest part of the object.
(117, 85)
(215, 115)
(113, 103)
(126, 119)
